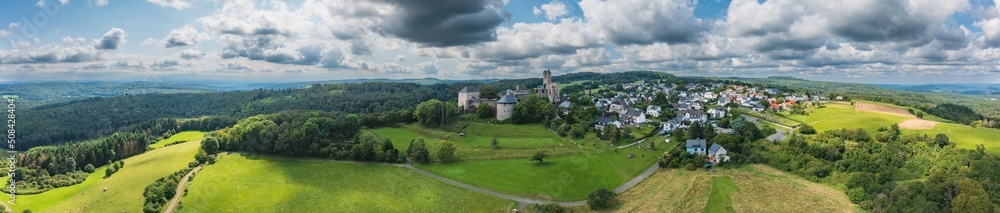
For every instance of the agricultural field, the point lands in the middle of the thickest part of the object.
(749, 188)
(124, 189)
(965, 137)
(180, 136)
(831, 110)
(838, 116)
(563, 178)
(272, 184)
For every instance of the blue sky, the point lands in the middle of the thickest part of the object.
(867, 41)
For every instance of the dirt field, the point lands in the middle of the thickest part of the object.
(761, 189)
(893, 110)
(917, 123)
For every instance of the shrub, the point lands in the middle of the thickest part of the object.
(601, 199)
(549, 208)
(89, 168)
(806, 129)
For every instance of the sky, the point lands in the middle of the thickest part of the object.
(863, 41)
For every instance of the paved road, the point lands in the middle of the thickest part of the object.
(777, 136)
(180, 191)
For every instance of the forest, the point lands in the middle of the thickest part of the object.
(392, 102)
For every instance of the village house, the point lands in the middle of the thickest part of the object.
(717, 154)
(695, 146)
(653, 111)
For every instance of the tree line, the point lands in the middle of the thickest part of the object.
(96, 117)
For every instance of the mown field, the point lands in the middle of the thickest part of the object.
(719, 200)
(839, 116)
(125, 188)
(180, 136)
(250, 183)
(750, 188)
(564, 178)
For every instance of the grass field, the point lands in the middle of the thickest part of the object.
(751, 188)
(965, 136)
(564, 178)
(186, 135)
(671, 190)
(838, 116)
(516, 141)
(869, 121)
(831, 110)
(718, 200)
(248, 183)
(125, 188)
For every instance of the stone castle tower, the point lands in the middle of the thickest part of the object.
(549, 89)
(505, 106)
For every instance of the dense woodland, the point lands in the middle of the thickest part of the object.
(95, 117)
(48, 167)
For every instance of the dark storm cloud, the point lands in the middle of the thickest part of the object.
(444, 23)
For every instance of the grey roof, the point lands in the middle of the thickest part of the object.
(507, 99)
(715, 148)
(603, 120)
(634, 113)
(695, 142)
(469, 89)
(564, 104)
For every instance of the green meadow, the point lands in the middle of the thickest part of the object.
(180, 136)
(271, 184)
(124, 189)
(564, 178)
(838, 116)
(516, 141)
(719, 200)
(965, 136)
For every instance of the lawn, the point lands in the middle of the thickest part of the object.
(750, 188)
(965, 136)
(181, 136)
(270, 184)
(564, 178)
(125, 188)
(718, 200)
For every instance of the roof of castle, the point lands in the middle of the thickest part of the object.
(507, 99)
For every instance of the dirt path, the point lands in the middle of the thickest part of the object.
(862, 106)
(917, 123)
(180, 191)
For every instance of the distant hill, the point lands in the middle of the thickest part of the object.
(966, 89)
(36, 94)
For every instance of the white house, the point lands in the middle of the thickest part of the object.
(653, 111)
(692, 115)
(717, 154)
(636, 116)
(717, 113)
